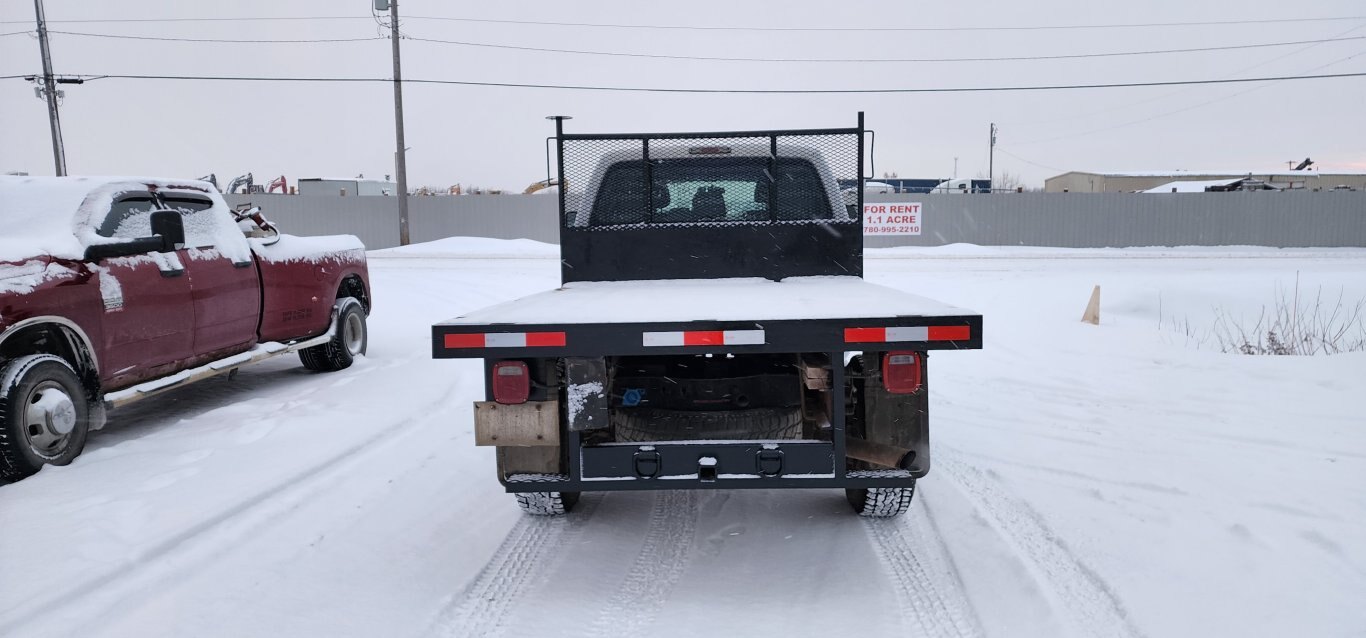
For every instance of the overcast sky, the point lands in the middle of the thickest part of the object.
(494, 137)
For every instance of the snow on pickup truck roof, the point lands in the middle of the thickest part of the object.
(710, 300)
(49, 215)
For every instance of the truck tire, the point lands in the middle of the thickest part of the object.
(880, 502)
(547, 503)
(44, 415)
(348, 341)
(642, 425)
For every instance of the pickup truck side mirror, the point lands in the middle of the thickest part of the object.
(170, 227)
(168, 235)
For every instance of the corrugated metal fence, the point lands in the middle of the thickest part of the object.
(1080, 220)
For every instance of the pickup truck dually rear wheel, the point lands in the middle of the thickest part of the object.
(880, 502)
(44, 415)
(349, 340)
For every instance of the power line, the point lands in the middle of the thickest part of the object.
(892, 29)
(232, 41)
(725, 59)
(1072, 118)
(3, 35)
(571, 87)
(1051, 168)
(240, 19)
(1021, 58)
(1192, 107)
(1145, 25)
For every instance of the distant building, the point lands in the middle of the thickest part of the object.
(918, 185)
(1129, 182)
(346, 186)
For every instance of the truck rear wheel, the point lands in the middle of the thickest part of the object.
(547, 503)
(642, 425)
(880, 502)
(349, 340)
(44, 415)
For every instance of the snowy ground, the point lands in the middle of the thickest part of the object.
(1088, 481)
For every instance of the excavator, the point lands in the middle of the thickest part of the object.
(243, 181)
(541, 185)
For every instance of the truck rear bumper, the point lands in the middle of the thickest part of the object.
(680, 465)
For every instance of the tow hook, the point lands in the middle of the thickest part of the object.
(647, 463)
(770, 462)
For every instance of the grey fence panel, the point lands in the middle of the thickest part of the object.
(1075, 220)
(498, 216)
(1093, 220)
(373, 219)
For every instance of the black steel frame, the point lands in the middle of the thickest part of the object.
(588, 464)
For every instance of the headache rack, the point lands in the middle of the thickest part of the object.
(710, 205)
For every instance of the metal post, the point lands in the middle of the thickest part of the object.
(859, 183)
(562, 184)
(991, 160)
(400, 157)
(50, 91)
(649, 181)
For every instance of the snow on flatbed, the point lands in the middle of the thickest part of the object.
(1111, 480)
(739, 299)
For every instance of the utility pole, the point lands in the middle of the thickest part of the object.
(400, 157)
(991, 160)
(49, 91)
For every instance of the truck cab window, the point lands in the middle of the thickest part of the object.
(200, 219)
(129, 217)
(710, 190)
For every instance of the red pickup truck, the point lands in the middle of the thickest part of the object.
(116, 289)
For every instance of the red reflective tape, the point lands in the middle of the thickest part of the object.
(475, 340)
(865, 335)
(950, 333)
(704, 338)
(545, 339)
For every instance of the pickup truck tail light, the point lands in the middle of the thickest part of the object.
(901, 373)
(511, 382)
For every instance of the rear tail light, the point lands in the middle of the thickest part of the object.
(511, 382)
(901, 372)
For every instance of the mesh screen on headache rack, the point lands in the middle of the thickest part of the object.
(709, 181)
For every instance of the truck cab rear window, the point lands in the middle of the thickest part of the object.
(710, 190)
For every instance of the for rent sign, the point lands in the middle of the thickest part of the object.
(892, 219)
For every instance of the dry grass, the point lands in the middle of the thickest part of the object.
(1295, 324)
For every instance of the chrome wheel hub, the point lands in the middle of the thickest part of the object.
(353, 333)
(49, 418)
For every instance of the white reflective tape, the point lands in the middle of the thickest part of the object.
(663, 339)
(505, 340)
(917, 333)
(744, 337)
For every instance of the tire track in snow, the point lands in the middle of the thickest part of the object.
(176, 552)
(533, 548)
(1088, 603)
(658, 567)
(931, 595)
